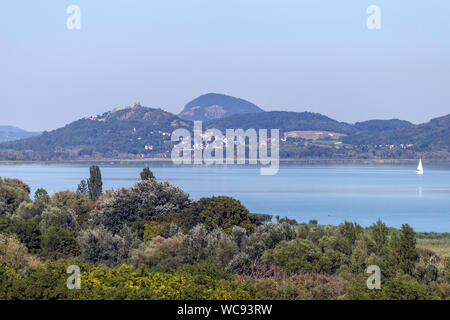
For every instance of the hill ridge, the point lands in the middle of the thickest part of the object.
(216, 105)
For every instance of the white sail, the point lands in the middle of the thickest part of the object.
(420, 167)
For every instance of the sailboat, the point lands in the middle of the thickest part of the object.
(419, 167)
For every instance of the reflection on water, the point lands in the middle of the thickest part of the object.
(330, 194)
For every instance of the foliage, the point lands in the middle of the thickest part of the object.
(58, 242)
(99, 245)
(160, 253)
(26, 231)
(298, 255)
(95, 183)
(408, 254)
(225, 213)
(83, 189)
(147, 174)
(134, 127)
(151, 241)
(131, 129)
(62, 217)
(397, 288)
(12, 193)
(146, 200)
(15, 254)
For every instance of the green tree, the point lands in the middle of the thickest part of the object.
(26, 231)
(350, 231)
(147, 174)
(99, 245)
(225, 213)
(12, 193)
(95, 183)
(61, 217)
(59, 242)
(298, 255)
(408, 253)
(83, 189)
(42, 196)
(379, 235)
(146, 200)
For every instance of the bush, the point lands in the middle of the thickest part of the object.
(60, 217)
(12, 193)
(297, 255)
(14, 254)
(26, 231)
(99, 245)
(225, 213)
(159, 253)
(146, 200)
(59, 242)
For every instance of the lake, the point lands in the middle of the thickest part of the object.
(327, 193)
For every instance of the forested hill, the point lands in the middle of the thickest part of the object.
(431, 135)
(10, 133)
(381, 125)
(140, 132)
(116, 133)
(283, 120)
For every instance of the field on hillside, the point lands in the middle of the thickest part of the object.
(440, 246)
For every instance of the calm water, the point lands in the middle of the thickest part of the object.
(330, 194)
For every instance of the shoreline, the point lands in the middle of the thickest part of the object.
(288, 160)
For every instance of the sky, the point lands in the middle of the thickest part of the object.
(295, 55)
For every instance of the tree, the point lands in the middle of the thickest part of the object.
(194, 243)
(221, 248)
(26, 231)
(147, 174)
(99, 245)
(61, 217)
(67, 199)
(158, 253)
(42, 196)
(16, 183)
(350, 231)
(408, 253)
(32, 210)
(225, 213)
(146, 200)
(379, 235)
(59, 242)
(95, 183)
(298, 255)
(12, 193)
(267, 236)
(83, 188)
(13, 253)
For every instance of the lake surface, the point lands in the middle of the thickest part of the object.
(327, 193)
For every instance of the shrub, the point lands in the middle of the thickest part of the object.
(144, 201)
(99, 245)
(160, 252)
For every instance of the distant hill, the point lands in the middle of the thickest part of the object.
(135, 131)
(10, 133)
(283, 120)
(382, 125)
(116, 133)
(215, 106)
(431, 135)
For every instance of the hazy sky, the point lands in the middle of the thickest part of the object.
(315, 55)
